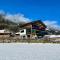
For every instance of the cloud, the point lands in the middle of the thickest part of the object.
(21, 18)
(15, 17)
(52, 24)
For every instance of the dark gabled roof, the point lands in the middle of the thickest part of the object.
(33, 22)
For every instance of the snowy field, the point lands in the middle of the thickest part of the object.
(28, 51)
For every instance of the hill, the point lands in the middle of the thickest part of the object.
(7, 24)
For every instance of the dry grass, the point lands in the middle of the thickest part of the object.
(18, 40)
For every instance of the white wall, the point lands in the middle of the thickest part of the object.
(23, 33)
(2, 31)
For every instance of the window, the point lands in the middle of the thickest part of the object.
(28, 31)
(22, 31)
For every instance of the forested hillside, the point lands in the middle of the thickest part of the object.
(7, 24)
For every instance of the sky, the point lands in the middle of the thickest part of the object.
(29, 10)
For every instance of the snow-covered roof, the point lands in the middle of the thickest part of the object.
(53, 36)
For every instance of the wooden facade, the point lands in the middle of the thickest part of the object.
(33, 28)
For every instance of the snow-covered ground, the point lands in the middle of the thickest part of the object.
(28, 51)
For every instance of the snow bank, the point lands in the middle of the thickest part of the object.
(53, 36)
(28, 51)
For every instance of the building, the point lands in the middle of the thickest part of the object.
(32, 30)
(4, 33)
